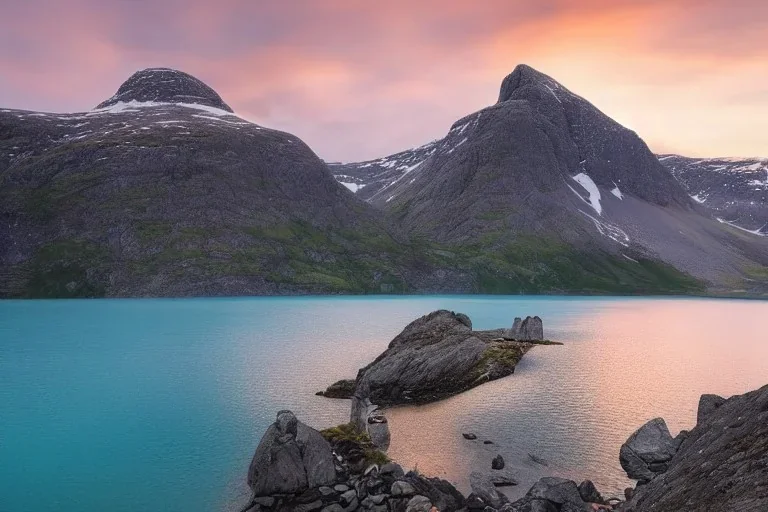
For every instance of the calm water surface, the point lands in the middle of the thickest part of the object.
(157, 405)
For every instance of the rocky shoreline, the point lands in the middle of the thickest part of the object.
(721, 464)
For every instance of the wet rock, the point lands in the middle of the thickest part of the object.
(645, 453)
(497, 462)
(290, 457)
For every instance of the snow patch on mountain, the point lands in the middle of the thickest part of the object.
(587, 184)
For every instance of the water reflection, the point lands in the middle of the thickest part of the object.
(159, 404)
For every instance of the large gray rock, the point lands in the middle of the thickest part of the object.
(647, 451)
(435, 356)
(722, 466)
(707, 405)
(556, 490)
(290, 457)
(483, 487)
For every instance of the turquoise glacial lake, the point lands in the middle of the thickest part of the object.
(158, 405)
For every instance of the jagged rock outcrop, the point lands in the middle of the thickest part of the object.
(344, 388)
(435, 356)
(291, 457)
(721, 465)
(648, 451)
(530, 329)
(290, 473)
(707, 405)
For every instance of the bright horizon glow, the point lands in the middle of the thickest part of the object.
(358, 81)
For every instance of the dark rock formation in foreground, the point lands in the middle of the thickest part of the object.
(720, 466)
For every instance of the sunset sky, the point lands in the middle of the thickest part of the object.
(359, 79)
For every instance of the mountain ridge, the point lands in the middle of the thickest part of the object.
(162, 190)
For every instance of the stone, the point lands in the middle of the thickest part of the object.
(721, 466)
(344, 388)
(502, 479)
(308, 507)
(531, 329)
(290, 457)
(469, 436)
(401, 488)
(643, 454)
(473, 502)
(707, 405)
(589, 492)
(485, 490)
(347, 497)
(487, 442)
(497, 462)
(543, 506)
(333, 507)
(341, 488)
(557, 490)
(393, 469)
(418, 504)
(326, 491)
(435, 356)
(264, 501)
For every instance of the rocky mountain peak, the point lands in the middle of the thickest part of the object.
(525, 76)
(167, 86)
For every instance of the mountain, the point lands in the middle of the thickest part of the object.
(542, 191)
(734, 190)
(162, 190)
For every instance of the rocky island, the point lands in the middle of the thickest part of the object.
(434, 357)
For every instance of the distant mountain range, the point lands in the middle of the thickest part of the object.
(162, 190)
(734, 190)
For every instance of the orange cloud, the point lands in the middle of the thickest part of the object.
(359, 79)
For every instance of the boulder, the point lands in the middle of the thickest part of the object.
(291, 457)
(530, 329)
(556, 490)
(435, 356)
(647, 451)
(707, 405)
(497, 462)
(418, 504)
(589, 492)
(484, 489)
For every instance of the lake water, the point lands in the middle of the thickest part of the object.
(158, 405)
